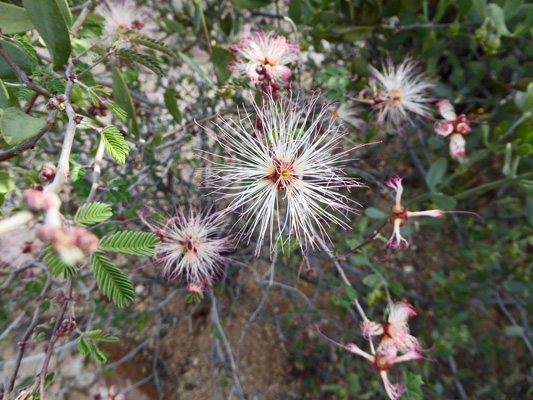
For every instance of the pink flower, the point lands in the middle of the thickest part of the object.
(401, 215)
(108, 394)
(396, 330)
(191, 247)
(453, 126)
(71, 244)
(264, 58)
(384, 357)
(398, 91)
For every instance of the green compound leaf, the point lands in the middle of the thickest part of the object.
(142, 59)
(152, 44)
(93, 213)
(112, 281)
(115, 145)
(130, 242)
(56, 265)
(413, 385)
(117, 111)
(28, 49)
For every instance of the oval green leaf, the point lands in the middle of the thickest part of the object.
(49, 19)
(123, 99)
(436, 173)
(6, 183)
(14, 19)
(16, 126)
(172, 105)
(4, 96)
(221, 59)
(19, 56)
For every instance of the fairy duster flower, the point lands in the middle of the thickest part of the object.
(382, 359)
(401, 215)
(283, 180)
(453, 126)
(399, 91)
(348, 113)
(190, 246)
(266, 59)
(125, 15)
(396, 330)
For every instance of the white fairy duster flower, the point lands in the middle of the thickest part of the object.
(191, 247)
(264, 57)
(125, 15)
(348, 113)
(283, 174)
(400, 90)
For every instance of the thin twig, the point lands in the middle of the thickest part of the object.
(53, 338)
(215, 319)
(23, 341)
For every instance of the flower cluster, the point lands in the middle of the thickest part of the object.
(266, 60)
(396, 344)
(453, 126)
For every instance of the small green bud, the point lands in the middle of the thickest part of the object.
(480, 35)
(454, 29)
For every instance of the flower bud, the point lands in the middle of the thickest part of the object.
(38, 201)
(48, 173)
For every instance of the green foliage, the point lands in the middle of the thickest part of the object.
(4, 96)
(152, 44)
(147, 61)
(87, 344)
(195, 67)
(49, 17)
(436, 173)
(56, 265)
(7, 184)
(413, 385)
(93, 213)
(172, 105)
(55, 86)
(115, 144)
(28, 49)
(17, 126)
(221, 59)
(336, 80)
(117, 111)
(18, 55)
(124, 101)
(130, 242)
(14, 19)
(112, 282)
